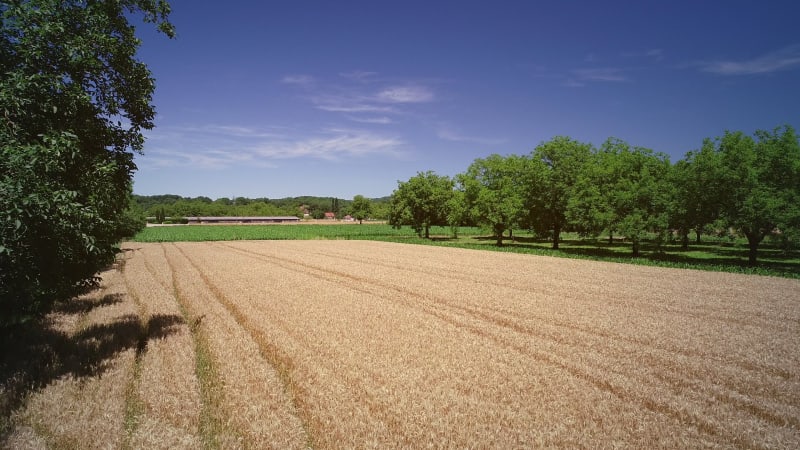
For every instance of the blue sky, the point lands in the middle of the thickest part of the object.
(338, 98)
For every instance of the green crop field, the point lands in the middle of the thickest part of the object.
(713, 254)
(283, 232)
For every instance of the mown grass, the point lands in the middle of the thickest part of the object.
(712, 254)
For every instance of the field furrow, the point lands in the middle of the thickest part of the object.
(254, 400)
(561, 330)
(167, 386)
(708, 384)
(356, 344)
(314, 320)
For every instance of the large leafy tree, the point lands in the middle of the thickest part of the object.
(759, 183)
(559, 162)
(494, 193)
(625, 189)
(74, 101)
(361, 208)
(421, 202)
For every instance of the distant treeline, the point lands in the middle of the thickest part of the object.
(170, 205)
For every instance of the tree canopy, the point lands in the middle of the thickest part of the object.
(74, 101)
(624, 189)
(421, 202)
(758, 183)
(747, 184)
(493, 192)
(556, 166)
(361, 208)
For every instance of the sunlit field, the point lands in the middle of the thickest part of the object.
(353, 344)
(713, 253)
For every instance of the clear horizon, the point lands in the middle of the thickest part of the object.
(334, 99)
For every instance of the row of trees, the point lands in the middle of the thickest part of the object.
(750, 184)
(160, 206)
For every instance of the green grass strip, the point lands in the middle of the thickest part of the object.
(713, 254)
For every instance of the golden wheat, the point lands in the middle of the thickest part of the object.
(84, 412)
(168, 386)
(336, 344)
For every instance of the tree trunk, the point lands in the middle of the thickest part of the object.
(499, 239)
(427, 232)
(697, 238)
(685, 240)
(610, 237)
(753, 239)
(556, 237)
(635, 247)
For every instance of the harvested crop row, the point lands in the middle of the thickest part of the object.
(606, 326)
(253, 399)
(622, 296)
(167, 385)
(625, 296)
(337, 344)
(402, 366)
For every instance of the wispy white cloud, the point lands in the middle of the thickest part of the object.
(782, 59)
(359, 95)
(201, 159)
(298, 79)
(582, 77)
(653, 54)
(358, 75)
(384, 101)
(448, 134)
(348, 104)
(405, 94)
(223, 146)
(335, 144)
(238, 131)
(571, 82)
(611, 74)
(376, 120)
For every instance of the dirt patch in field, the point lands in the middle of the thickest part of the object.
(336, 344)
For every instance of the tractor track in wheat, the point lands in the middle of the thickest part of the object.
(345, 344)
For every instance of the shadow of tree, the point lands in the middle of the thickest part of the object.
(36, 354)
(82, 306)
(724, 255)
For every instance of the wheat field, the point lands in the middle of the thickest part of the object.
(358, 344)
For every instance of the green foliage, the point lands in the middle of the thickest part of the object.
(282, 232)
(133, 220)
(493, 192)
(717, 254)
(161, 215)
(759, 184)
(553, 174)
(421, 202)
(458, 212)
(361, 208)
(175, 205)
(69, 81)
(623, 189)
(696, 203)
